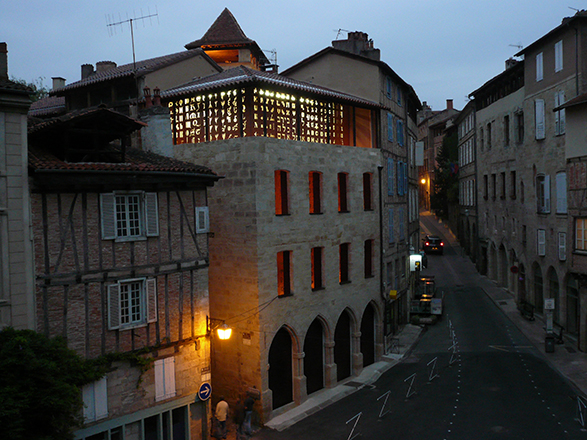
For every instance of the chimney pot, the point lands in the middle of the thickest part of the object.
(103, 66)
(449, 104)
(58, 82)
(87, 70)
(148, 100)
(3, 61)
(157, 96)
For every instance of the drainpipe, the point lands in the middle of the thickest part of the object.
(381, 288)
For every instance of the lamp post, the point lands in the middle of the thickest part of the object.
(222, 329)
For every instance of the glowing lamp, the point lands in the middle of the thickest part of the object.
(423, 181)
(222, 329)
(224, 332)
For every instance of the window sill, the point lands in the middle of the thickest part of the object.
(316, 213)
(131, 326)
(345, 282)
(344, 212)
(126, 239)
(285, 295)
(318, 289)
(369, 276)
(282, 215)
(369, 210)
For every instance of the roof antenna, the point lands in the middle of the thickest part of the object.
(111, 26)
(338, 31)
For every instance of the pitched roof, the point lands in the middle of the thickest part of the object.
(225, 31)
(14, 87)
(142, 68)
(49, 105)
(242, 75)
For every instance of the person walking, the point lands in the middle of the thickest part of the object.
(249, 402)
(221, 418)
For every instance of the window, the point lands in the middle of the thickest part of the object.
(493, 186)
(485, 187)
(281, 192)
(317, 255)
(543, 193)
(388, 87)
(315, 183)
(581, 234)
(132, 303)
(95, 397)
(400, 178)
(559, 116)
(561, 193)
(343, 258)
(343, 179)
(164, 378)
(512, 184)
(390, 176)
(539, 67)
(489, 136)
(481, 139)
(202, 220)
(400, 132)
(391, 236)
(558, 56)
(541, 239)
(539, 118)
(519, 127)
(524, 229)
(128, 216)
(399, 96)
(389, 127)
(502, 184)
(506, 130)
(402, 220)
(368, 258)
(368, 191)
(562, 246)
(284, 272)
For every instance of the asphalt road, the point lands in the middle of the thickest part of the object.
(471, 376)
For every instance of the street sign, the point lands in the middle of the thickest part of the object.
(205, 391)
(549, 303)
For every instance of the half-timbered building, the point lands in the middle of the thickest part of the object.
(121, 252)
(294, 258)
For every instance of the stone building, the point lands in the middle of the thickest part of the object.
(295, 230)
(121, 271)
(367, 76)
(17, 307)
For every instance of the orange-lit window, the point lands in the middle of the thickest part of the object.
(315, 183)
(369, 258)
(368, 191)
(343, 192)
(344, 263)
(317, 274)
(281, 192)
(284, 278)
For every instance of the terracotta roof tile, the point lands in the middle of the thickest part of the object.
(224, 31)
(241, 75)
(50, 105)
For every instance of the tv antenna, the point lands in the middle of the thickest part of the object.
(338, 31)
(111, 26)
(273, 58)
(519, 45)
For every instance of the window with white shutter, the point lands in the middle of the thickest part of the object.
(539, 67)
(202, 220)
(561, 193)
(541, 239)
(543, 193)
(132, 303)
(390, 226)
(164, 378)
(390, 176)
(95, 397)
(389, 127)
(129, 216)
(539, 118)
(558, 56)
(559, 116)
(562, 246)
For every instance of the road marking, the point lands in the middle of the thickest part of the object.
(507, 348)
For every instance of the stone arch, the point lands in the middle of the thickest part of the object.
(281, 366)
(492, 261)
(512, 276)
(369, 335)
(522, 290)
(503, 266)
(538, 287)
(343, 344)
(572, 305)
(315, 355)
(553, 291)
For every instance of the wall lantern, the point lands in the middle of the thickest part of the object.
(423, 181)
(222, 329)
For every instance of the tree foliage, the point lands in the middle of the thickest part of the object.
(40, 383)
(446, 181)
(39, 90)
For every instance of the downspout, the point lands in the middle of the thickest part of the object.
(381, 288)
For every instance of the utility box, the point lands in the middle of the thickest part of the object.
(549, 344)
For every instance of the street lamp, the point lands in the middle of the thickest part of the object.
(423, 181)
(222, 329)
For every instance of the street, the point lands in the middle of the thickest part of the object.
(473, 375)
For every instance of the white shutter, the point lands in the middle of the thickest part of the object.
(89, 402)
(539, 118)
(561, 193)
(151, 215)
(108, 211)
(159, 368)
(562, 246)
(151, 286)
(169, 377)
(556, 114)
(101, 398)
(541, 236)
(562, 123)
(389, 176)
(202, 219)
(539, 67)
(546, 194)
(113, 307)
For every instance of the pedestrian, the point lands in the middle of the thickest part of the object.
(249, 402)
(221, 415)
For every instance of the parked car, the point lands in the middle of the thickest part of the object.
(433, 243)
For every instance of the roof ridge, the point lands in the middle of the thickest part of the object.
(224, 29)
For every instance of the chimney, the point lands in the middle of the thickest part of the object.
(449, 104)
(103, 66)
(87, 70)
(157, 97)
(3, 62)
(509, 63)
(147, 94)
(58, 82)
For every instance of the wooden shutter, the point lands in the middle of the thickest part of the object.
(202, 219)
(390, 127)
(390, 226)
(562, 246)
(151, 215)
(101, 398)
(108, 211)
(561, 193)
(159, 369)
(169, 368)
(541, 238)
(546, 194)
(539, 118)
(151, 286)
(113, 306)
(89, 402)
(389, 176)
